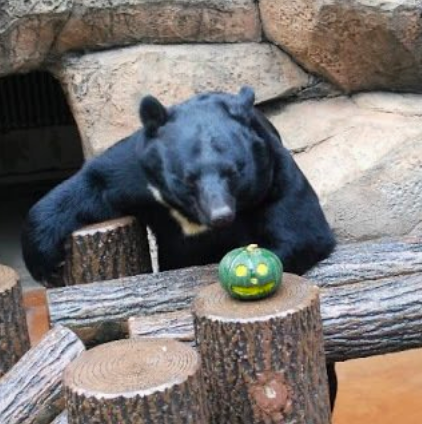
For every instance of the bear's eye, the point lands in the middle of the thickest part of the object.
(190, 179)
(229, 171)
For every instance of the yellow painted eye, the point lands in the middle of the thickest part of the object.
(262, 270)
(241, 271)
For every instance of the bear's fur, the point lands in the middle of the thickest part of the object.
(207, 175)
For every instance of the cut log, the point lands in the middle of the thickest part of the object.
(150, 381)
(370, 300)
(105, 251)
(263, 361)
(372, 317)
(14, 336)
(360, 320)
(171, 325)
(99, 312)
(31, 392)
(369, 261)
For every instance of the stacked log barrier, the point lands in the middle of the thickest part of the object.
(92, 311)
(366, 291)
(149, 381)
(14, 336)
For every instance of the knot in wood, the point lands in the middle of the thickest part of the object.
(272, 395)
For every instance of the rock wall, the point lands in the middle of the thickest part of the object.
(357, 44)
(105, 88)
(363, 155)
(36, 32)
(323, 70)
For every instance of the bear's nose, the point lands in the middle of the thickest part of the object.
(221, 216)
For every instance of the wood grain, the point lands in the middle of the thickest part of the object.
(31, 392)
(149, 381)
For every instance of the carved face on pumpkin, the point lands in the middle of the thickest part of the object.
(250, 272)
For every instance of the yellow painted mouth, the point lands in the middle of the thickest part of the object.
(253, 291)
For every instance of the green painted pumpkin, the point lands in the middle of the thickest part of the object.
(250, 272)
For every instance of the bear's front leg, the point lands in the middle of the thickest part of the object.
(296, 230)
(68, 207)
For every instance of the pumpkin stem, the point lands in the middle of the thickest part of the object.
(251, 247)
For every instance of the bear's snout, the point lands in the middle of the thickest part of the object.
(221, 216)
(216, 205)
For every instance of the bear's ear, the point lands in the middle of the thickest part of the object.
(247, 96)
(243, 105)
(153, 114)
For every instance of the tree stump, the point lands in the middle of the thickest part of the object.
(145, 381)
(104, 251)
(14, 337)
(263, 361)
(31, 392)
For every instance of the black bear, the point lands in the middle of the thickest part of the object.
(207, 175)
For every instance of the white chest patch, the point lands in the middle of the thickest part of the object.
(189, 228)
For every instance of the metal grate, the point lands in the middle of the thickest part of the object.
(31, 101)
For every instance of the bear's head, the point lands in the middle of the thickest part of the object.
(204, 158)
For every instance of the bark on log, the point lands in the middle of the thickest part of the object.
(149, 381)
(370, 300)
(31, 392)
(14, 336)
(263, 361)
(99, 312)
(359, 320)
(369, 261)
(105, 251)
(171, 325)
(372, 317)
(61, 419)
